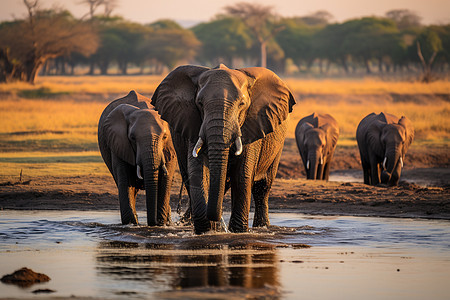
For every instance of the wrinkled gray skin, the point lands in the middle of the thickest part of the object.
(135, 142)
(383, 140)
(316, 136)
(215, 114)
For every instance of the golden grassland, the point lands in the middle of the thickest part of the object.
(52, 129)
(146, 84)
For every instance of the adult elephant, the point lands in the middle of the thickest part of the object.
(136, 146)
(316, 136)
(228, 127)
(383, 140)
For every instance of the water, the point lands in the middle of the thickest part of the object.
(91, 254)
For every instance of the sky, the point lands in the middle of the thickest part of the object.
(189, 12)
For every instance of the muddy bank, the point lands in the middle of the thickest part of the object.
(424, 190)
(303, 196)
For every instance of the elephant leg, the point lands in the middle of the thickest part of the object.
(164, 186)
(320, 169)
(127, 192)
(242, 175)
(326, 171)
(366, 172)
(260, 191)
(374, 171)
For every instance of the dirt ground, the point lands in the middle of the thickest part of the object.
(423, 192)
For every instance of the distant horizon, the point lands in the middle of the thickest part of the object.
(190, 13)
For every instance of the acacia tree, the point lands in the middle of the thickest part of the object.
(168, 44)
(25, 45)
(428, 46)
(223, 40)
(259, 19)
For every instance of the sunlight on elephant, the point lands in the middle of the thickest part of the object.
(228, 128)
(137, 148)
(316, 136)
(383, 140)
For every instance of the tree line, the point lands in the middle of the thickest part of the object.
(55, 42)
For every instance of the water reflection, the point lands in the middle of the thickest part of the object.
(190, 265)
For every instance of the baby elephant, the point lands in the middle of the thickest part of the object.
(136, 145)
(316, 137)
(383, 140)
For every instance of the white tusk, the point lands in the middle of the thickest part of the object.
(197, 147)
(164, 169)
(401, 161)
(384, 162)
(238, 146)
(138, 172)
(307, 165)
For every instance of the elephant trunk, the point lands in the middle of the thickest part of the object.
(150, 167)
(314, 166)
(392, 164)
(218, 161)
(219, 142)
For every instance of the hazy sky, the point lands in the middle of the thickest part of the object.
(147, 11)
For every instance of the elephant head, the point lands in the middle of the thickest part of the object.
(313, 143)
(219, 110)
(390, 140)
(137, 136)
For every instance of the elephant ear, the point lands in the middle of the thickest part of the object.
(374, 137)
(174, 99)
(300, 132)
(405, 122)
(271, 103)
(332, 133)
(116, 132)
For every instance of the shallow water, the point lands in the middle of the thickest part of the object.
(90, 254)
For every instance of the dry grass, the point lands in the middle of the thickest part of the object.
(89, 84)
(365, 86)
(50, 134)
(146, 84)
(431, 120)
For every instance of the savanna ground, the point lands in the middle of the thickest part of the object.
(49, 157)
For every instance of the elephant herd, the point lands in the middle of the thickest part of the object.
(226, 129)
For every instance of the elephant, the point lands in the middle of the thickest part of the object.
(383, 141)
(228, 127)
(136, 146)
(316, 136)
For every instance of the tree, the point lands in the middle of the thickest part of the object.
(25, 45)
(296, 41)
(259, 19)
(319, 18)
(222, 40)
(370, 38)
(109, 6)
(428, 46)
(404, 18)
(170, 44)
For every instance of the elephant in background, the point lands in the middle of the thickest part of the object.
(228, 127)
(316, 136)
(383, 140)
(136, 146)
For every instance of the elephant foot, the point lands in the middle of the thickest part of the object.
(236, 228)
(130, 220)
(201, 227)
(261, 223)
